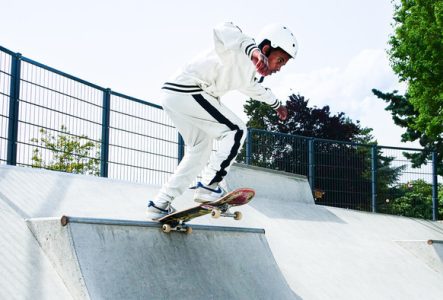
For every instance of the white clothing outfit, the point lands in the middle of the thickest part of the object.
(191, 100)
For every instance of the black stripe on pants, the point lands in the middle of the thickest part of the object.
(223, 120)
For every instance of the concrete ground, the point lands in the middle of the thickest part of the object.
(110, 251)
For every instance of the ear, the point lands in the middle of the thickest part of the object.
(266, 50)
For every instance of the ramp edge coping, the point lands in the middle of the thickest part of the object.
(429, 242)
(64, 220)
(270, 171)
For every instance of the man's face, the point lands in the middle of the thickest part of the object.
(277, 59)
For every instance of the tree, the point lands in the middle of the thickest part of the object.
(416, 55)
(414, 199)
(342, 169)
(306, 121)
(68, 153)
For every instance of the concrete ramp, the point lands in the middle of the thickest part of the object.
(112, 259)
(322, 252)
(25, 270)
(430, 252)
(277, 185)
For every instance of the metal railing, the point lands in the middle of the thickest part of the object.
(131, 139)
(351, 175)
(46, 113)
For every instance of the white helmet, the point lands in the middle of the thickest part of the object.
(280, 36)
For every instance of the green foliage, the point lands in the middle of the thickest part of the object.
(404, 115)
(342, 170)
(413, 199)
(68, 153)
(306, 121)
(416, 55)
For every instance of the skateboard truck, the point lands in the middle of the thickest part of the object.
(223, 211)
(182, 227)
(216, 212)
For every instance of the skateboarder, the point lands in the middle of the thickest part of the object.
(192, 101)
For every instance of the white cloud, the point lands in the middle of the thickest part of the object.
(348, 90)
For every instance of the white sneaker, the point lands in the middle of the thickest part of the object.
(158, 210)
(210, 193)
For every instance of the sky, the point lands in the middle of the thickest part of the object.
(133, 46)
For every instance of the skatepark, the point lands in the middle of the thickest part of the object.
(285, 247)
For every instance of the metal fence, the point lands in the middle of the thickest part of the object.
(49, 118)
(351, 175)
(129, 138)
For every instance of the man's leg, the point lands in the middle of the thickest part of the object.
(231, 133)
(200, 119)
(197, 151)
(185, 114)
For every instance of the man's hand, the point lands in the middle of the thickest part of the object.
(261, 62)
(282, 112)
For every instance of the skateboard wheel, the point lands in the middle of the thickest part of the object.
(238, 215)
(215, 213)
(188, 230)
(166, 228)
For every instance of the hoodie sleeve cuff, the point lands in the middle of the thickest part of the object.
(249, 48)
(276, 105)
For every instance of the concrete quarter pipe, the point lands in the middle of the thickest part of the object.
(111, 259)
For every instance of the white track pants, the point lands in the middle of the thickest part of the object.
(201, 119)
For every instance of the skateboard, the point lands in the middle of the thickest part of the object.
(219, 208)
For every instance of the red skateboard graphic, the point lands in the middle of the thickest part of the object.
(219, 208)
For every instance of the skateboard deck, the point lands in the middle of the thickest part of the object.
(177, 220)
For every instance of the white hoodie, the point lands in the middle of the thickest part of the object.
(225, 68)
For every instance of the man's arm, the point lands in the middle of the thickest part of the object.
(260, 93)
(228, 36)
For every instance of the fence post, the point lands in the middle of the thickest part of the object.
(374, 178)
(14, 97)
(104, 150)
(181, 148)
(434, 187)
(311, 163)
(249, 147)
